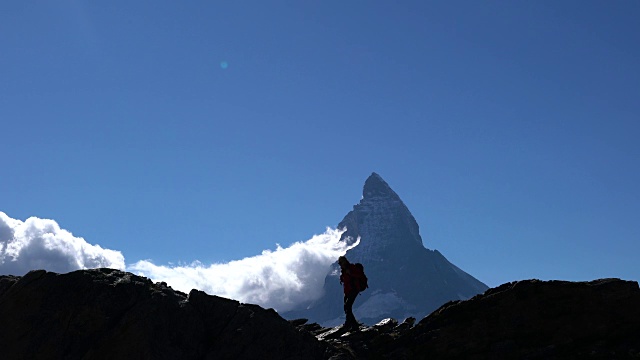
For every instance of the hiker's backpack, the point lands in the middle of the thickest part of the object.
(360, 281)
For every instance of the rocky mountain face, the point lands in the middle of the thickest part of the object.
(405, 278)
(110, 314)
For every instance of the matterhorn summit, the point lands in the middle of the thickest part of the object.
(405, 278)
(383, 223)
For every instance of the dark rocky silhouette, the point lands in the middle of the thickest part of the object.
(520, 320)
(110, 314)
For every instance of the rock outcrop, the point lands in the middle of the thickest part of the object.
(110, 314)
(520, 320)
(536, 320)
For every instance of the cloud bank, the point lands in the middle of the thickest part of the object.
(278, 279)
(42, 244)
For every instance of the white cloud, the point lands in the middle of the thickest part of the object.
(41, 244)
(278, 279)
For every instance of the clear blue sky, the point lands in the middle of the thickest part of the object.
(212, 130)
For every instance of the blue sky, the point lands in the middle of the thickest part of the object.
(211, 131)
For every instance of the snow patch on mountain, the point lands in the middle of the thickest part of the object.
(380, 303)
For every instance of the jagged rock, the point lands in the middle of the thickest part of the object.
(110, 314)
(298, 322)
(532, 320)
(331, 333)
(386, 324)
(407, 324)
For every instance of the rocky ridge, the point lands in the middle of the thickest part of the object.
(107, 314)
(529, 319)
(110, 314)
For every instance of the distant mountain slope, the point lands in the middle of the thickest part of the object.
(405, 278)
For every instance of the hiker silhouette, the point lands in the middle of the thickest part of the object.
(353, 281)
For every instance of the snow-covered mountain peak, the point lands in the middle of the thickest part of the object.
(376, 187)
(382, 222)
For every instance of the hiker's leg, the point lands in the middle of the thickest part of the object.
(348, 309)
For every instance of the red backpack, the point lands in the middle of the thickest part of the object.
(360, 281)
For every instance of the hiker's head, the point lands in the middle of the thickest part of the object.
(342, 261)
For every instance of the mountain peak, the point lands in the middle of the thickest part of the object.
(406, 278)
(382, 222)
(375, 186)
